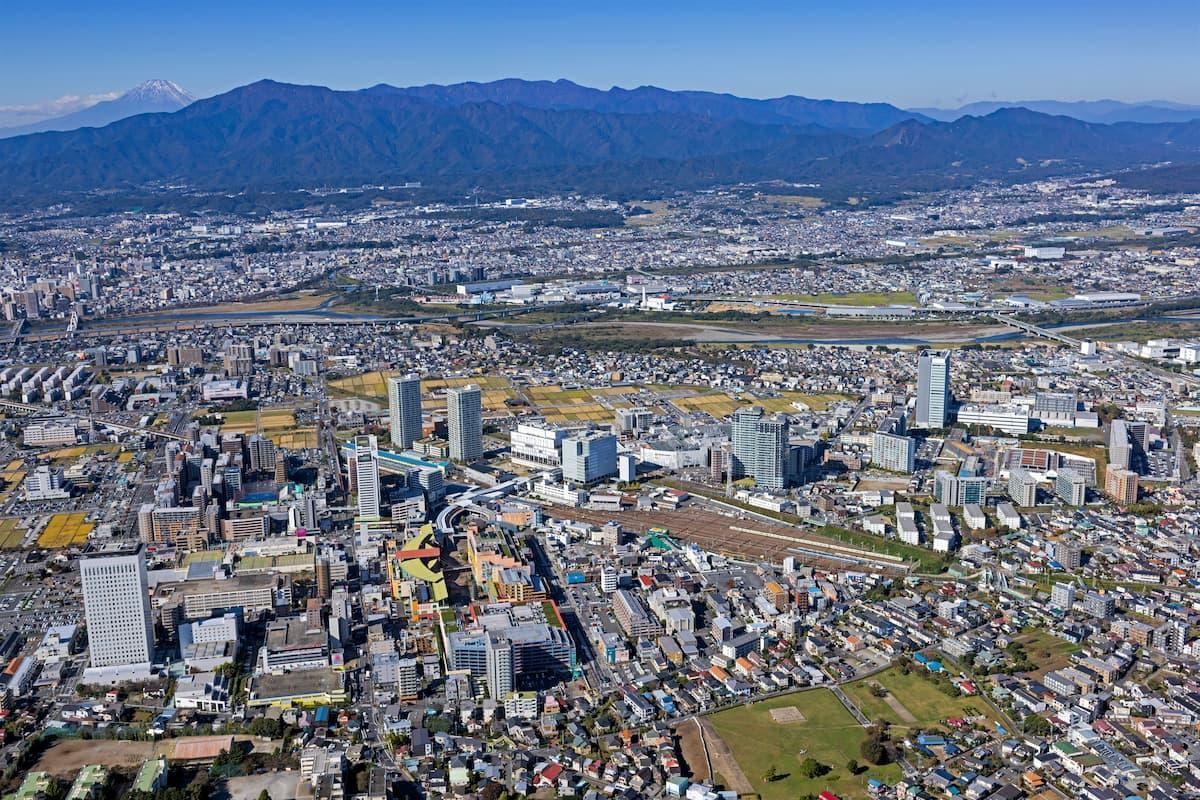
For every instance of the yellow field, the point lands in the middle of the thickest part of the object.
(66, 453)
(124, 457)
(65, 530)
(10, 534)
(715, 405)
(373, 385)
(14, 473)
(299, 439)
(572, 406)
(720, 405)
(273, 419)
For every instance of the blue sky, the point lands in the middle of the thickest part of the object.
(910, 54)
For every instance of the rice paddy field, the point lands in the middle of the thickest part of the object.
(273, 419)
(572, 406)
(278, 424)
(11, 535)
(494, 390)
(65, 530)
(11, 477)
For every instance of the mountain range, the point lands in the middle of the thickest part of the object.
(1102, 111)
(518, 136)
(145, 98)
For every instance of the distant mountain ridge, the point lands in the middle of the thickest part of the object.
(538, 136)
(563, 94)
(146, 98)
(1102, 111)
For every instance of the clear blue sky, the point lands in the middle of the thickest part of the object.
(910, 54)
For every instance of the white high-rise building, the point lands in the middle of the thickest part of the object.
(933, 389)
(116, 604)
(366, 475)
(404, 408)
(464, 423)
(537, 444)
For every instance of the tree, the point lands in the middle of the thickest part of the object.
(874, 748)
(1037, 726)
(873, 751)
(811, 768)
(264, 795)
(852, 766)
(771, 774)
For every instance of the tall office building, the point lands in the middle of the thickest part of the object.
(760, 448)
(1063, 596)
(1069, 555)
(933, 389)
(262, 453)
(500, 665)
(116, 604)
(408, 679)
(589, 456)
(633, 420)
(1121, 485)
(404, 408)
(891, 446)
(464, 423)
(1022, 487)
(1070, 487)
(960, 490)
(1120, 445)
(366, 475)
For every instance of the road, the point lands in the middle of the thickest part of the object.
(861, 718)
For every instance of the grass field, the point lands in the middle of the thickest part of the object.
(918, 695)
(1048, 652)
(10, 534)
(828, 733)
(852, 298)
(289, 302)
(1115, 232)
(803, 200)
(659, 213)
(65, 530)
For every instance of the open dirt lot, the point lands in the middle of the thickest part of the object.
(787, 715)
(67, 757)
(692, 750)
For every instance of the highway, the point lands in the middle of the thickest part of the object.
(30, 408)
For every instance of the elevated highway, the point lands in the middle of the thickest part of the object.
(30, 408)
